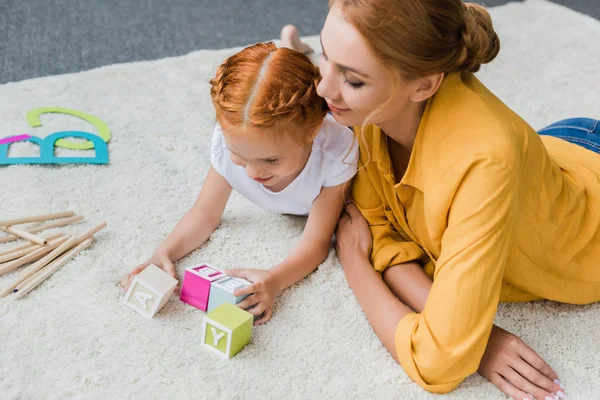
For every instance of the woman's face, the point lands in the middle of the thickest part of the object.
(354, 82)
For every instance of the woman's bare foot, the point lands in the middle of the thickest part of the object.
(290, 38)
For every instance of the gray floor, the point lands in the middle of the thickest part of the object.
(48, 37)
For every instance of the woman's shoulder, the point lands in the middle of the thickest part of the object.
(466, 120)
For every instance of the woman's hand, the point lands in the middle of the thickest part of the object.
(159, 258)
(353, 237)
(517, 370)
(262, 291)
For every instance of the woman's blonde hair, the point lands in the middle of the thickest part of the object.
(424, 37)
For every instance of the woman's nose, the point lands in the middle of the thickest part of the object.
(327, 88)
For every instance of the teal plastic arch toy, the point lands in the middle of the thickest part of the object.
(47, 150)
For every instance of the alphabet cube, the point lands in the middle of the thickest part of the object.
(150, 290)
(226, 329)
(196, 286)
(222, 291)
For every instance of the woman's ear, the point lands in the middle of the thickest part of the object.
(424, 88)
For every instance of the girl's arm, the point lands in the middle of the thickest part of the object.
(314, 244)
(201, 220)
(192, 230)
(304, 258)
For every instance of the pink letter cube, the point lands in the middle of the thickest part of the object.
(196, 284)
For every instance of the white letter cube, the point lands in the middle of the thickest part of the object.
(150, 290)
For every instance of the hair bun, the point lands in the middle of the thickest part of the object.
(480, 42)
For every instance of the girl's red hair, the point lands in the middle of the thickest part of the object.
(264, 86)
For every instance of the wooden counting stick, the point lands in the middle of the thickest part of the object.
(25, 282)
(25, 235)
(31, 270)
(91, 232)
(33, 256)
(37, 218)
(49, 225)
(53, 267)
(24, 249)
(78, 239)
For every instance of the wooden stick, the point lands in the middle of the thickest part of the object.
(91, 232)
(53, 267)
(18, 254)
(63, 248)
(37, 218)
(22, 233)
(33, 256)
(49, 225)
(25, 282)
(34, 268)
(19, 251)
(78, 239)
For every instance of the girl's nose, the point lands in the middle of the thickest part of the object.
(252, 171)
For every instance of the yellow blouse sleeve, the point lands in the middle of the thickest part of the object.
(389, 247)
(444, 344)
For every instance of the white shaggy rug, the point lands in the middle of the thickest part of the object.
(71, 338)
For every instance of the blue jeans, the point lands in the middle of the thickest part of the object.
(582, 131)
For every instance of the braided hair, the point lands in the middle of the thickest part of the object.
(263, 86)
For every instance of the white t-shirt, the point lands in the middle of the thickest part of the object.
(332, 161)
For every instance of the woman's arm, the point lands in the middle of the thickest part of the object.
(504, 351)
(304, 258)
(506, 357)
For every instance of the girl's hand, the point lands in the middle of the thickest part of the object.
(262, 291)
(353, 236)
(517, 370)
(159, 258)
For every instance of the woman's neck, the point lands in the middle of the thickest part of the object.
(403, 127)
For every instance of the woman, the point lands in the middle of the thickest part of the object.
(459, 204)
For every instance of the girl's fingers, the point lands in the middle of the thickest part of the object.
(266, 317)
(508, 389)
(139, 268)
(250, 289)
(168, 267)
(247, 302)
(257, 310)
(125, 281)
(237, 273)
(536, 378)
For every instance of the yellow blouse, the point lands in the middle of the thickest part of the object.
(492, 210)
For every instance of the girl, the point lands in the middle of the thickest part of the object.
(459, 203)
(275, 144)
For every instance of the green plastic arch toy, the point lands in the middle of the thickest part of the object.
(33, 119)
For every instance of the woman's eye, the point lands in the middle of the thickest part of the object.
(272, 161)
(354, 85)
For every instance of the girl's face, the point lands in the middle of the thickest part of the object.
(354, 82)
(266, 160)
